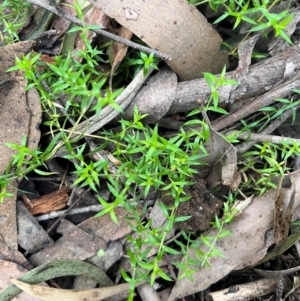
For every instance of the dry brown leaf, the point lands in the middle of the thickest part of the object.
(249, 236)
(84, 246)
(15, 108)
(221, 162)
(8, 270)
(186, 36)
(12, 255)
(118, 52)
(50, 294)
(20, 115)
(279, 217)
(245, 55)
(113, 253)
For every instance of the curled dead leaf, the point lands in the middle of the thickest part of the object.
(50, 294)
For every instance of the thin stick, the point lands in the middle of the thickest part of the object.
(280, 90)
(242, 148)
(54, 214)
(61, 13)
(264, 138)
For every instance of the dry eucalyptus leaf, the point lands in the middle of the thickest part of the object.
(8, 270)
(118, 52)
(31, 235)
(50, 294)
(284, 245)
(112, 254)
(279, 217)
(16, 110)
(20, 115)
(84, 246)
(62, 248)
(231, 176)
(14, 256)
(174, 27)
(245, 54)
(35, 111)
(248, 238)
(221, 162)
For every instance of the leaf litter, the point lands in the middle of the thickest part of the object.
(85, 237)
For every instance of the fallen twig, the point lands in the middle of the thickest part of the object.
(281, 90)
(262, 78)
(54, 214)
(268, 130)
(263, 138)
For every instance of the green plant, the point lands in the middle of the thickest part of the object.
(270, 113)
(12, 16)
(267, 160)
(24, 161)
(148, 161)
(151, 161)
(132, 63)
(189, 265)
(214, 83)
(229, 212)
(281, 105)
(257, 13)
(145, 61)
